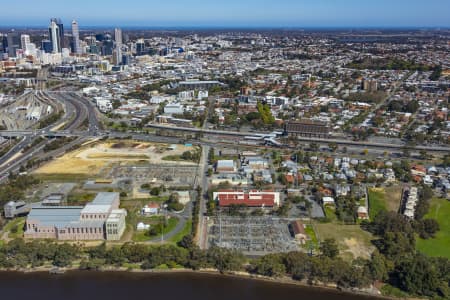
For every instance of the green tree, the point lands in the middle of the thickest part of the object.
(155, 191)
(266, 114)
(416, 275)
(187, 242)
(297, 264)
(225, 259)
(314, 147)
(329, 248)
(333, 146)
(270, 265)
(378, 267)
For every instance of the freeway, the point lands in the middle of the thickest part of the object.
(85, 108)
(36, 153)
(15, 149)
(77, 110)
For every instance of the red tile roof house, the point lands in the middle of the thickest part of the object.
(251, 199)
(289, 178)
(418, 170)
(299, 232)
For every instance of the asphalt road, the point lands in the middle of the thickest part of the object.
(183, 217)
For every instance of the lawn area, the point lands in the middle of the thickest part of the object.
(80, 198)
(312, 234)
(15, 228)
(377, 201)
(133, 204)
(330, 214)
(393, 197)
(62, 177)
(440, 245)
(187, 229)
(140, 236)
(176, 158)
(352, 240)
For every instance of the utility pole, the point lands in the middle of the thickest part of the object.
(164, 222)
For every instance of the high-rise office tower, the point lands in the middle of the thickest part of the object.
(60, 25)
(55, 38)
(2, 44)
(140, 47)
(13, 40)
(46, 45)
(76, 48)
(118, 51)
(107, 47)
(118, 36)
(24, 41)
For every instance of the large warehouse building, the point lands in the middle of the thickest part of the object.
(99, 220)
(251, 199)
(307, 129)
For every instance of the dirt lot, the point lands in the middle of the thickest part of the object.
(393, 197)
(91, 159)
(353, 242)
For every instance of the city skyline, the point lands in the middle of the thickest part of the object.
(249, 13)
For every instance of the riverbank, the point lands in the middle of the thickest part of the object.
(212, 272)
(167, 285)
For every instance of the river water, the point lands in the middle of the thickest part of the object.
(131, 286)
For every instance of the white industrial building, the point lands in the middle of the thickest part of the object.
(173, 108)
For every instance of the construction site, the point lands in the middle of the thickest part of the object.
(98, 159)
(253, 236)
(124, 164)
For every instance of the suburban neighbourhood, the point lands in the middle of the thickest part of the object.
(281, 154)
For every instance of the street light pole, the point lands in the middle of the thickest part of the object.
(164, 222)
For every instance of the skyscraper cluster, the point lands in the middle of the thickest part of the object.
(58, 48)
(56, 34)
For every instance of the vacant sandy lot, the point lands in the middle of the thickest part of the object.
(91, 159)
(351, 239)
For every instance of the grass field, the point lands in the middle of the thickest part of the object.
(393, 197)
(312, 235)
(384, 199)
(377, 201)
(15, 225)
(140, 236)
(80, 198)
(187, 229)
(352, 240)
(133, 204)
(61, 177)
(330, 214)
(439, 246)
(174, 158)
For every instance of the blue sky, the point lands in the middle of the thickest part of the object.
(230, 13)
